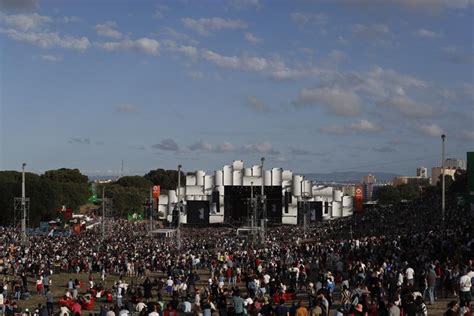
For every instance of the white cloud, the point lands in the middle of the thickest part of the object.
(408, 106)
(48, 39)
(225, 147)
(365, 126)
(127, 108)
(142, 45)
(52, 58)
(274, 68)
(205, 26)
(432, 130)
(360, 126)
(260, 148)
(337, 101)
(305, 18)
(25, 22)
(220, 60)
(249, 37)
(426, 33)
(69, 19)
(167, 145)
(107, 29)
(200, 146)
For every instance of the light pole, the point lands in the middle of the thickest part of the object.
(23, 204)
(443, 190)
(264, 205)
(178, 231)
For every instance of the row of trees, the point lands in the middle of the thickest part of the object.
(53, 189)
(47, 193)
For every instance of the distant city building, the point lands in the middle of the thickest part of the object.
(369, 179)
(455, 163)
(422, 172)
(410, 180)
(437, 171)
(368, 186)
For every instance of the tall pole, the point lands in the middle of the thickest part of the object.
(443, 201)
(264, 206)
(178, 231)
(151, 209)
(23, 203)
(103, 212)
(303, 206)
(252, 203)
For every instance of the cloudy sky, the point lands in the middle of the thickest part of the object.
(312, 85)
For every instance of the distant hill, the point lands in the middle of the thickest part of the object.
(349, 176)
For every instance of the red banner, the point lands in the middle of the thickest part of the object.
(156, 195)
(359, 199)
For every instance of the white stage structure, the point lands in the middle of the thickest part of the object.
(204, 196)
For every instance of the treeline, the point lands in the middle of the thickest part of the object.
(53, 189)
(47, 193)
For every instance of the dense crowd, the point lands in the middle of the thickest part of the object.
(388, 261)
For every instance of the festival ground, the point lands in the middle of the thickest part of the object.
(59, 282)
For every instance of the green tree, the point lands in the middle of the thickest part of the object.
(135, 182)
(409, 191)
(166, 179)
(65, 175)
(389, 195)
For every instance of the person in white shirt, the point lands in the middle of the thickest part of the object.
(140, 306)
(465, 290)
(410, 276)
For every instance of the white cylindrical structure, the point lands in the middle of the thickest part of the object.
(238, 165)
(191, 179)
(337, 196)
(208, 183)
(268, 178)
(336, 209)
(172, 197)
(237, 177)
(307, 187)
(218, 179)
(248, 172)
(221, 190)
(287, 175)
(200, 174)
(277, 174)
(257, 171)
(227, 170)
(297, 185)
(347, 205)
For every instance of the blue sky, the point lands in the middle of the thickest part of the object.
(312, 85)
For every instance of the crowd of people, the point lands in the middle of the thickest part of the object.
(396, 260)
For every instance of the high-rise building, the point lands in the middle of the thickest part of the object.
(455, 163)
(368, 186)
(369, 179)
(437, 171)
(422, 172)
